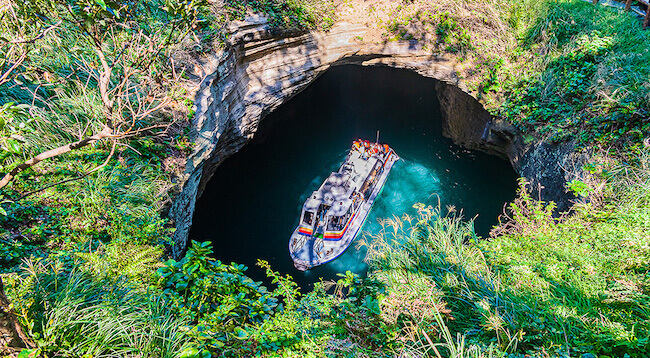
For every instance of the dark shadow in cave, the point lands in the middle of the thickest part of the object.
(251, 205)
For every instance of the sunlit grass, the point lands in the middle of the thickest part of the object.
(75, 314)
(575, 284)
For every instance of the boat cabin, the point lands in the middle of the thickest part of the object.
(328, 210)
(331, 204)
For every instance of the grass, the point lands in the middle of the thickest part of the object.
(590, 76)
(591, 267)
(78, 314)
(558, 70)
(430, 270)
(540, 284)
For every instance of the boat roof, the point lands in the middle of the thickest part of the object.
(337, 189)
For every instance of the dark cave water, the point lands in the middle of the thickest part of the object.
(251, 205)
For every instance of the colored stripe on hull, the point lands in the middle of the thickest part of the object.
(336, 237)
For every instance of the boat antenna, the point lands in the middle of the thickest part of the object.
(377, 141)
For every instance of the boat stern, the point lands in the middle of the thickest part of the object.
(298, 246)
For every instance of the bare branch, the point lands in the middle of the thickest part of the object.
(105, 133)
(110, 155)
(37, 37)
(104, 80)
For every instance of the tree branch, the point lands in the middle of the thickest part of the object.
(105, 133)
(104, 81)
(11, 335)
(110, 155)
(4, 76)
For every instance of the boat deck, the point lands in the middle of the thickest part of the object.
(352, 191)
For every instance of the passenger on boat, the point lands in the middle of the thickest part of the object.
(357, 145)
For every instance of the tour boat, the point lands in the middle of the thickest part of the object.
(333, 215)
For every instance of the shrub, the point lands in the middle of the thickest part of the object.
(219, 299)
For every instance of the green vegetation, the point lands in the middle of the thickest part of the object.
(83, 233)
(191, 308)
(590, 80)
(72, 312)
(449, 36)
(302, 14)
(130, 136)
(541, 284)
(559, 70)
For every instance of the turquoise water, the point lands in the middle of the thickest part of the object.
(251, 206)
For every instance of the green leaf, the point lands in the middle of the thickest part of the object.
(164, 272)
(101, 3)
(14, 147)
(29, 353)
(191, 269)
(189, 353)
(241, 333)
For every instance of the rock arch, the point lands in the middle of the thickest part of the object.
(263, 67)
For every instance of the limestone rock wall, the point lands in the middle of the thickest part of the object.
(262, 68)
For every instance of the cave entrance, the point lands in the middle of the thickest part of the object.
(252, 204)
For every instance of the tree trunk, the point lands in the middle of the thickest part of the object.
(628, 5)
(646, 20)
(12, 337)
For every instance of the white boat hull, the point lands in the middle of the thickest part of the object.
(308, 255)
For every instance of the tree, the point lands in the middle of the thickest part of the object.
(121, 54)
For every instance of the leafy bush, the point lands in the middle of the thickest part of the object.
(218, 298)
(232, 315)
(13, 250)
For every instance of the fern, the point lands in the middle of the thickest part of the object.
(137, 262)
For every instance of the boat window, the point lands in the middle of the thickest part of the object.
(336, 223)
(308, 218)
